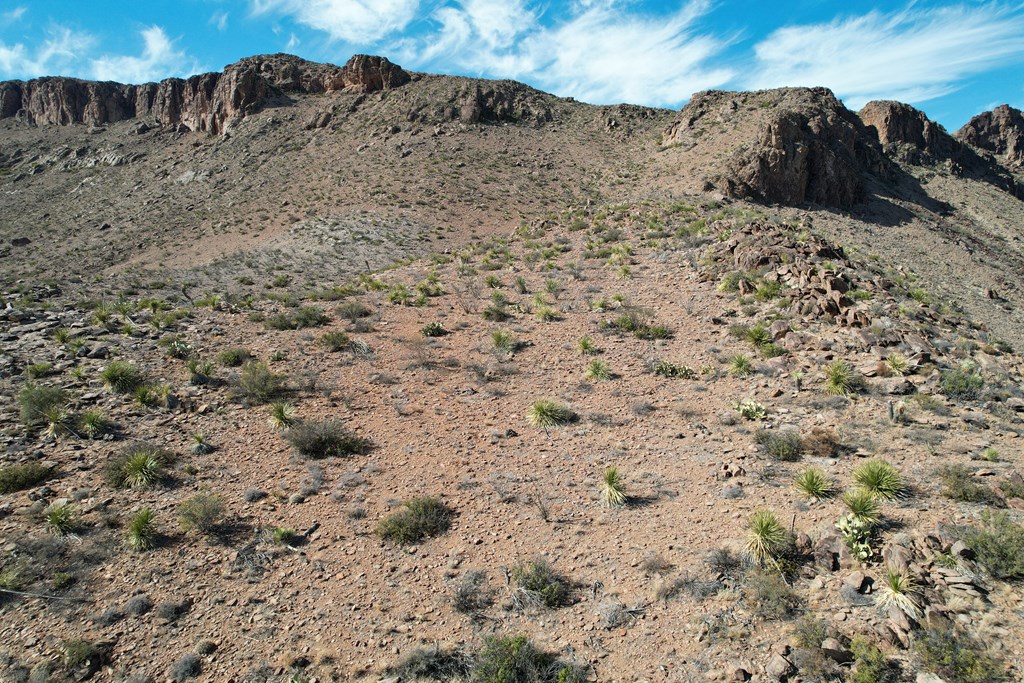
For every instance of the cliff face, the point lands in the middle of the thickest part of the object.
(907, 133)
(1000, 131)
(787, 146)
(205, 102)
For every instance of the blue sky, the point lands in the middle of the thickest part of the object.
(952, 60)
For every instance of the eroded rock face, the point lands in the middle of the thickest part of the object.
(1000, 131)
(205, 102)
(806, 146)
(905, 132)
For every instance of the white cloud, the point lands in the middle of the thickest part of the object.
(60, 51)
(601, 53)
(293, 43)
(911, 55)
(14, 14)
(220, 20)
(357, 21)
(159, 59)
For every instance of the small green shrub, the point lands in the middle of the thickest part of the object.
(234, 357)
(504, 341)
(202, 512)
(587, 346)
(78, 652)
(258, 384)
(841, 379)
(962, 384)
(36, 402)
(959, 483)
(546, 413)
(784, 446)
(664, 368)
(138, 467)
(998, 544)
(880, 478)
(434, 329)
(37, 370)
(199, 372)
(957, 657)
(142, 534)
(282, 415)
(419, 518)
(539, 585)
(121, 377)
(61, 519)
(613, 492)
(325, 439)
(514, 659)
(18, 477)
(334, 341)
(870, 665)
(285, 535)
(749, 409)
(740, 365)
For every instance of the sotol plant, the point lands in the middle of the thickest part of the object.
(546, 413)
(899, 589)
(142, 533)
(814, 483)
(613, 492)
(767, 539)
(880, 478)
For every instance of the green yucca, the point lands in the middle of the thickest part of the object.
(814, 483)
(282, 415)
(767, 539)
(547, 413)
(899, 589)
(880, 478)
(598, 370)
(613, 493)
(142, 533)
(863, 505)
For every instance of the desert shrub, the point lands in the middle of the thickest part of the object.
(546, 413)
(37, 370)
(334, 341)
(863, 505)
(433, 664)
(234, 357)
(189, 666)
(419, 518)
(871, 665)
(957, 657)
(598, 370)
(841, 379)
(998, 544)
(539, 585)
(282, 415)
(514, 659)
(613, 492)
(962, 384)
(901, 590)
(202, 512)
(258, 384)
(880, 478)
(740, 365)
(587, 346)
(784, 446)
(36, 402)
(325, 439)
(18, 477)
(767, 539)
(310, 316)
(504, 341)
(959, 483)
(664, 368)
(434, 329)
(199, 372)
(121, 377)
(471, 594)
(142, 534)
(61, 519)
(78, 652)
(822, 443)
(138, 467)
(749, 409)
(769, 596)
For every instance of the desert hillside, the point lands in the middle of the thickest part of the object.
(316, 372)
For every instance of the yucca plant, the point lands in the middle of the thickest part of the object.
(767, 539)
(142, 534)
(93, 423)
(863, 505)
(61, 519)
(840, 378)
(587, 346)
(58, 421)
(282, 415)
(546, 413)
(504, 341)
(897, 364)
(899, 589)
(880, 478)
(598, 370)
(740, 365)
(613, 492)
(814, 483)
(140, 467)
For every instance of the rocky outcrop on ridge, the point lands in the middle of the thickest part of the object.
(906, 133)
(1000, 131)
(204, 102)
(796, 145)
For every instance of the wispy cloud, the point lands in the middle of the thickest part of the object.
(602, 52)
(14, 14)
(220, 20)
(60, 51)
(159, 59)
(361, 22)
(912, 55)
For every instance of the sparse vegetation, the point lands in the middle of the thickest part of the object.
(957, 657)
(613, 493)
(325, 439)
(202, 512)
(784, 446)
(539, 585)
(234, 357)
(999, 544)
(814, 483)
(962, 384)
(841, 379)
(121, 377)
(419, 518)
(61, 519)
(880, 478)
(334, 341)
(18, 477)
(138, 467)
(767, 540)
(959, 483)
(258, 384)
(749, 409)
(546, 413)
(142, 532)
(36, 403)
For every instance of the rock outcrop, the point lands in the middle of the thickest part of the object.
(803, 145)
(205, 102)
(906, 133)
(1000, 131)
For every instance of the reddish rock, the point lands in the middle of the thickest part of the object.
(1000, 131)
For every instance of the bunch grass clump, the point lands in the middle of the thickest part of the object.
(36, 402)
(258, 384)
(815, 484)
(121, 377)
(767, 540)
(282, 415)
(202, 512)
(784, 446)
(141, 466)
(61, 519)
(841, 379)
(19, 477)
(539, 585)
(598, 370)
(546, 413)
(325, 439)
(142, 534)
